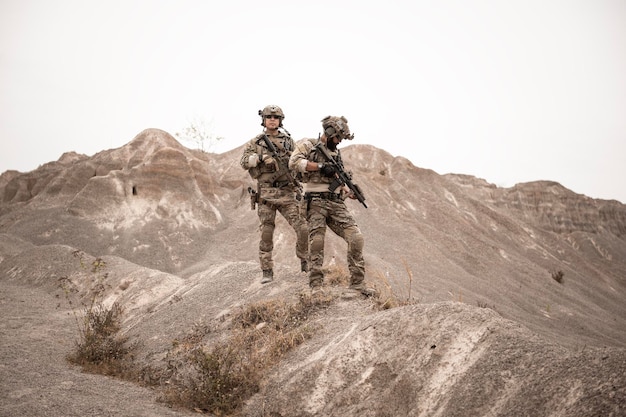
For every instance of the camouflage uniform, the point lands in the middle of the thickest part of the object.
(324, 208)
(276, 193)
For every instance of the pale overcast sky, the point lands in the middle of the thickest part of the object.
(508, 91)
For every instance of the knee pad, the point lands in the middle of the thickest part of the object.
(355, 238)
(267, 232)
(316, 243)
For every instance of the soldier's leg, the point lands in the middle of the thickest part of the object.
(303, 239)
(356, 263)
(343, 224)
(316, 219)
(291, 212)
(267, 218)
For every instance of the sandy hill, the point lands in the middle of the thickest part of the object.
(479, 325)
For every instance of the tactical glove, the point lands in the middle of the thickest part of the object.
(328, 171)
(269, 161)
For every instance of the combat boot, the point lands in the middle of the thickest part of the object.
(268, 276)
(363, 289)
(316, 287)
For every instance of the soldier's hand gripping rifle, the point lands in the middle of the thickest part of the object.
(282, 168)
(342, 177)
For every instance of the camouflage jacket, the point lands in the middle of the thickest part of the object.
(306, 151)
(263, 172)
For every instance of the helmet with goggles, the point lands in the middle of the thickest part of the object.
(336, 126)
(271, 111)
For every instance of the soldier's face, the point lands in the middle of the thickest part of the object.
(272, 122)
(332, 143)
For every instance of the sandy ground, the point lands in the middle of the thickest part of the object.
(36, 378)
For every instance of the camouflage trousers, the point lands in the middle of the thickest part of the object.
(321, 213)
(280, 200)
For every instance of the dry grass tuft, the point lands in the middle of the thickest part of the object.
(387, 297)
(219, 377)
(336, 276)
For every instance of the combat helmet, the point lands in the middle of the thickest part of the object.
(336, 126)
(271, 110)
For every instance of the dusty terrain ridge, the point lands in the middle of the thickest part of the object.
(486, 329)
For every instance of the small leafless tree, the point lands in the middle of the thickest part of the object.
(200, 133)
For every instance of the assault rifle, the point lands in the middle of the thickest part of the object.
(282, 168)
(342, 177)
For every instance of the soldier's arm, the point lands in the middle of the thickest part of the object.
(249, 158)
(298, 160)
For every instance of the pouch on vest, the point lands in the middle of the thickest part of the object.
(255, 172)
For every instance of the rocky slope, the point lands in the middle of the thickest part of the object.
(486, 330)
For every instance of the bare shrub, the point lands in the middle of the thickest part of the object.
(226, 375)
(484, 304)
(200, 132)
(557, 276)
(99, 348)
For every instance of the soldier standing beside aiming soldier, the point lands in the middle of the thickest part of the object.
(266, 157)
(326, 185)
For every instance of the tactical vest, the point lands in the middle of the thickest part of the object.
(270, 174)
(316, 156)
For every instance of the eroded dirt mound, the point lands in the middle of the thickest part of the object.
(443, 359)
